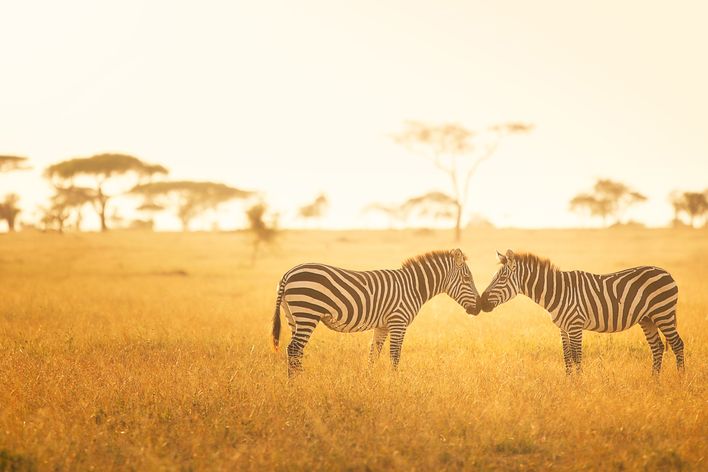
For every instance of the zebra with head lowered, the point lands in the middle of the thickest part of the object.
(386, 301)
(580, 301)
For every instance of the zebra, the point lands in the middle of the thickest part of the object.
(578, 301)
(386, 301)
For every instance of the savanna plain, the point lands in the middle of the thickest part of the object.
(142, 351)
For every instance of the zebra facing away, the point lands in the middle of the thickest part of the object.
(580, 301)
(386, 301)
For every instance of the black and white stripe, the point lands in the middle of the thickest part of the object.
(386, 301)
(580, 301)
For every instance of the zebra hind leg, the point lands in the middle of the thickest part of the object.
(567, 354)
(576, 347)
(677, 346)
(305, 323)
(377, 343)
(667, 325)
(654, 340)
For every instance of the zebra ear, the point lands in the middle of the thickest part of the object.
(510, 254)
(501, 257)
(458, 257)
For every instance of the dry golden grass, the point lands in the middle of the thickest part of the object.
(151, 352)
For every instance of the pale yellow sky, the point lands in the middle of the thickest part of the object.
(296, 98)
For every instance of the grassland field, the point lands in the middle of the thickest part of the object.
(142, 351)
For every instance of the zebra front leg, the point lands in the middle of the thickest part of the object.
(397, 331)
(377, 343)
(567, 354)
(575, 336)
(305, 323)
(655, 344)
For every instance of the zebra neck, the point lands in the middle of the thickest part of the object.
(424, 282)
(544, 285)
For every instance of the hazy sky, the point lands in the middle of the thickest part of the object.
(295, 98)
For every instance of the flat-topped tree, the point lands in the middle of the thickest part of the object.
(608, 199)
(314, 210)
(458, 152)
(393, 211)
(693, 204)
(65, 201)
(102, 168)
(190, 199)
(10, 163)
(435, 205)
(149, 209)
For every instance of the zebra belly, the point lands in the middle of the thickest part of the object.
(617, 329)
(339, 324)
(336, 320)
(615, 320)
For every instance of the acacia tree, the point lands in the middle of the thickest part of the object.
(64, 202)
(101, 168)
(10, 163)
(393, 212)
(590, 205)
(314, 210)
(150, 209)
(608, 199)
(189, 198)
(9, 210)
(693, 204)
(435, 205)
(456, 151)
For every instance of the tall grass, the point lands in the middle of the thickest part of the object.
(151, 352)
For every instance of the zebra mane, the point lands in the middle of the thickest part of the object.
(533, 259)
(428, 256)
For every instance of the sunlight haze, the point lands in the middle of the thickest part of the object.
(297, 98)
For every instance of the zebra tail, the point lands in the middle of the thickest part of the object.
(276, 317)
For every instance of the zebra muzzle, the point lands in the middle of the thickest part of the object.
(473, 309)
(486, 304)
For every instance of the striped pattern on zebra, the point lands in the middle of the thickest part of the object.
(386, 301)
(580, 301)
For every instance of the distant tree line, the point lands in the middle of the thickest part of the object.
(189, 199)
(434, 206)
(609, 200)
(101, 170)
(690, 208)
(93, 182)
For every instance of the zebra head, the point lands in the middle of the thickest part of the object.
(505, 284)
(459, 284)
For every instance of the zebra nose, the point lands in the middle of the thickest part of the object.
(473, 309)
(486, 305)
